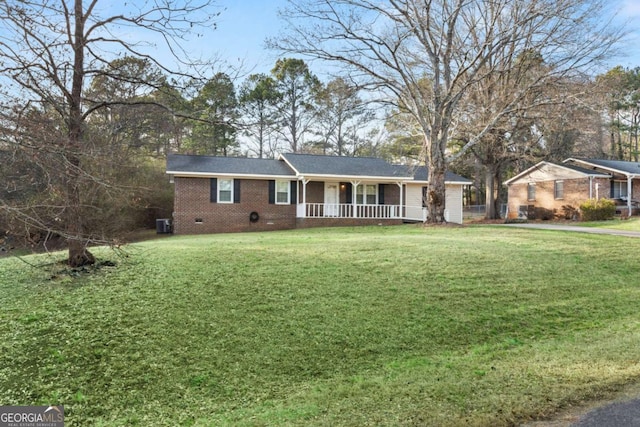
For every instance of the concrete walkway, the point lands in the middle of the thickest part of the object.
(562, 227)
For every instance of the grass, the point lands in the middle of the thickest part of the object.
(347, 326)
(629, 224)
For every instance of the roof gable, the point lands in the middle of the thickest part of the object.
(547, 171)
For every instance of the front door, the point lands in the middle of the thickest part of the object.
(331, 199)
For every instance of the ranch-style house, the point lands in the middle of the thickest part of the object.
(548, 189)
(234, 194)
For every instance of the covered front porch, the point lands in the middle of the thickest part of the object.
(350, 200)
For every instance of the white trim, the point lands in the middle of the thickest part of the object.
(351, 178)
(628, 174)
(228, 175)
(288, 184)
(331, 207)
(446, 182)
(545, 163)
(230, 192)
(372, 178)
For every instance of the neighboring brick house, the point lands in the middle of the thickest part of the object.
(549, 190)
(232, 194)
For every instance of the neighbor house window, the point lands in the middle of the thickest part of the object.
(282, 192)
(618, 189)
(531, 191)
(367, 194)
(225, 190)
(558, 189)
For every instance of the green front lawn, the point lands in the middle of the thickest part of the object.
(346, 326)
(629, 224)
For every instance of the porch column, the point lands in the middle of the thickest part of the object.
(354, 193)
(302, 207)
(401, 186)
(629, 189)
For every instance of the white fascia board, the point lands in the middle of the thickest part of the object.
(596, 166)
(525, 172)
(228, 175)
(281, 157)
(313, 177)
(446, 182)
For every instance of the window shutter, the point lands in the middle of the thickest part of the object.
(381, 194)
(349, 193)
(272, 192)
(612, 193)
(236, 191)
(213, 192)
(294, 192)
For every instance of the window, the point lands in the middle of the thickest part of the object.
(282, 192)
(531, 191)
(225, 191)
(558, 189)
(367, 194)
(425, 196)
(618, 189)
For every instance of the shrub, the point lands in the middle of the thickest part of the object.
(597, 210)
(544, 214)
(569, 212)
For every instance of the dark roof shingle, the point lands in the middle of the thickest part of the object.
(421, 173)
(343, 166)
(177, 163)
(618, 165)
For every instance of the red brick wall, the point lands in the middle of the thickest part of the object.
(191, 202)
(315, 192)
(576, 191)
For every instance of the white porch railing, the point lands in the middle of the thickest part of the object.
(343, 210)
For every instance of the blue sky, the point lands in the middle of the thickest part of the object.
(242, 29)
(244, 25)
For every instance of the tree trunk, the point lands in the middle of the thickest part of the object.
(490, 193)
(436, 195)
(78, 253)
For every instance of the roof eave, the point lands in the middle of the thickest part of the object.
(613, 170)
(182, 174)
(355, 177)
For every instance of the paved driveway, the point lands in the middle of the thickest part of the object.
(562, 227)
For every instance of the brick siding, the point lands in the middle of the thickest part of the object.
(576, 191)
(191, 202)
(195, 214)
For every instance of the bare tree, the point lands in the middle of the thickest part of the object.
(395, 46)
(49, 52)
(341, 118)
